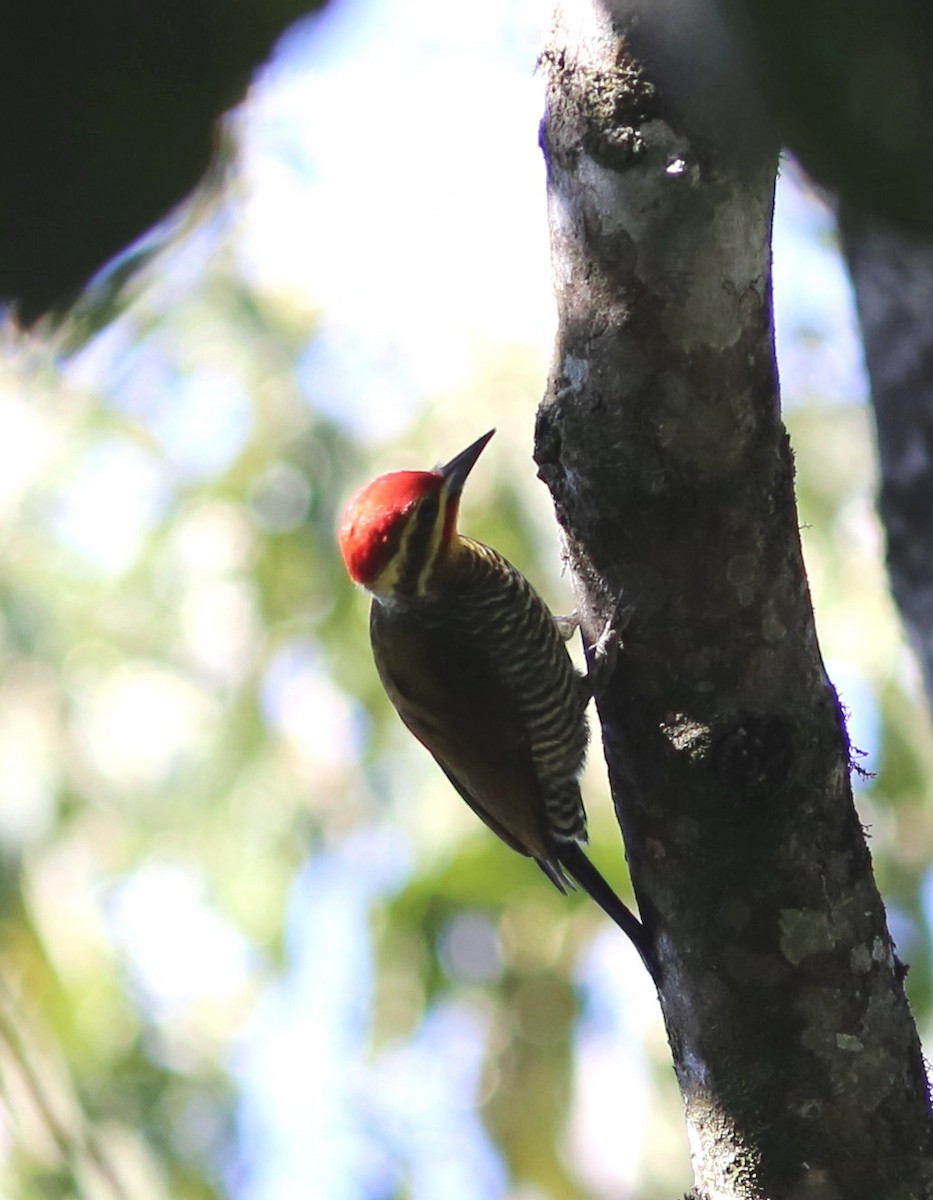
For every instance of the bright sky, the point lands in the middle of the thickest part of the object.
(395, 179)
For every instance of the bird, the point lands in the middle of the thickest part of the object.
(477, 667)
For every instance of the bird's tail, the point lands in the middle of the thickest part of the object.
(570, 856)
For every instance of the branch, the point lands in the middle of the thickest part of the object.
(892, 269)
(108, 120)
(661, 440)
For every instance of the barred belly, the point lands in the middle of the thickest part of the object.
(530, 656)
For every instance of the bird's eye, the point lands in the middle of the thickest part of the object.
(428, 508)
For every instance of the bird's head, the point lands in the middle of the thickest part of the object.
(397, 528)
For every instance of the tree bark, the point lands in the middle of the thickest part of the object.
(661, 440)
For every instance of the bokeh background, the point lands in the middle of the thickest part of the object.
(252, 946)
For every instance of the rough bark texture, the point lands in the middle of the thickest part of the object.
(892, 270)
(661, 440)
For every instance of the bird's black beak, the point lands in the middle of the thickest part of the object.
(456, 471)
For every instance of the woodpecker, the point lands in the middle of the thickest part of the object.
(477, 668)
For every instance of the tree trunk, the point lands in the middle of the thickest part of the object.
(661, 440)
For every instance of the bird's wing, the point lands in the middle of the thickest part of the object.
(447, 692)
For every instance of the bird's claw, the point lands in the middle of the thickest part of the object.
(604, 653)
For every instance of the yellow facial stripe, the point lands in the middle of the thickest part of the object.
(387, 581)
(434, 544)
(408, 572)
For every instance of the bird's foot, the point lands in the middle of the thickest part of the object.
(604, 653)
